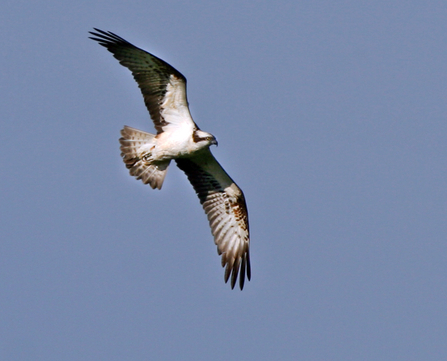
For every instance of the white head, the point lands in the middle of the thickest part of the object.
(203, 139)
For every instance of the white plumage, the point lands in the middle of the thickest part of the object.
(147, 156)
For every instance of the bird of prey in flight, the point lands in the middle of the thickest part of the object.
(178, 137)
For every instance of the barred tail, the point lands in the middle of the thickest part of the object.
(135, 150)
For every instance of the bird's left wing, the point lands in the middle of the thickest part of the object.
(224, 204)
(162, 86)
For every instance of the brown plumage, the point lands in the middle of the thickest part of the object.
(147, 156)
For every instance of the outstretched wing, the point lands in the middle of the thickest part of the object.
(224, 204)
(163, 87)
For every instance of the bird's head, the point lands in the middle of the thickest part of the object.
(204, 139)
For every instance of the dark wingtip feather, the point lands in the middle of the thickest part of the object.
(227, 272)
(240, 266)
(248, 266)
(235, 271)
(107, 38)
(242, 276)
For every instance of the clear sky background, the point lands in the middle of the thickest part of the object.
(330, 115)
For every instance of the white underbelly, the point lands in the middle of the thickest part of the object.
(173, 145)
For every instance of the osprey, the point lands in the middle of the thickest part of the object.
(178, 137)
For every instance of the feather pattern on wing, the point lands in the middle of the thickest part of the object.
(148, 156)
(162, 86)
(224, 205)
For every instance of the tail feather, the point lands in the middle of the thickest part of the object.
(135, 150)
(131, 142)
(153, 174)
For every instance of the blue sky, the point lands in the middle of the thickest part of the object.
(331, 116)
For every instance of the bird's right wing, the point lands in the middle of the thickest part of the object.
(225, 207)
